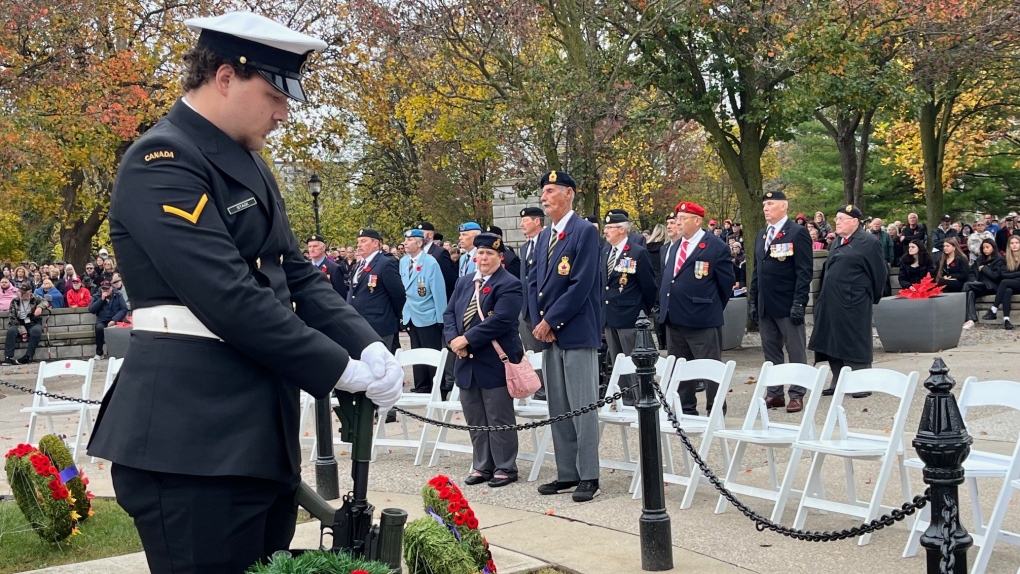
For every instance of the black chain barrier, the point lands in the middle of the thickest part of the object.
(49, 395)
(762, 523)
(526, 426)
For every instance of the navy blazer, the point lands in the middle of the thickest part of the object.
(502, 308)
(335, 275)
(620, 307)
(688, 301)
(564, 290)
(383, 305)
(777, 284)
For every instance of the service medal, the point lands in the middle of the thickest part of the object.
(564, 267)
(373, 280)
(627, 265)
(421, 288)
(701, 269)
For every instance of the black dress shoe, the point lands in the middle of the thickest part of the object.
(828, 392)
(498, 481)
(1007, 325)
(860, 395)
(556, 487)
(586, 490)
(391, 416)
(475, 478)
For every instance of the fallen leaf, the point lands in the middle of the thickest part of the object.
(864, 410)
(549, 512)
(765, 546)
(748, 471)
(867, 481)
(983, 432)
(343, 452)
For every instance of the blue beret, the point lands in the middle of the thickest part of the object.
(469, 226)
(415, 233)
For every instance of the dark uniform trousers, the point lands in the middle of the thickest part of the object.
(690, 343)
(425, 337)
(224, 524)
(777, 333)
(496, 452)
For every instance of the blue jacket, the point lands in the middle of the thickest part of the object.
(378, 295)
(501, 307)
(622, 298)
(106, 310)
(425, 291)
(56, 298)
(466, 264)
(564, 290)
(687, 300)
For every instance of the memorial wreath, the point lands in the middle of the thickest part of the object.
(48, 488)
(446, 540)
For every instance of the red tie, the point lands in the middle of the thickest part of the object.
(681, 257)
(845, 241)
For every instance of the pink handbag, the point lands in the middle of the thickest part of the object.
(521, 379)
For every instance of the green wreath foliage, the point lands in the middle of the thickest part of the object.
(39, 493)
(318, 562)
(53, 446)
(447, 539)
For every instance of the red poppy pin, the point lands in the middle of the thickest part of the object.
(485, 290)
(418, 268)
(368, 269)
(952, 264)
(474, 260)
(779, 235)
(701, 245)
(562, 235)
(626, 247)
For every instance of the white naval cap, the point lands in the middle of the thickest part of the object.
(274, 50)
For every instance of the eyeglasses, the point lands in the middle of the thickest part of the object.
(614, 226)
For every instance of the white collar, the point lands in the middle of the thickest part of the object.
(319, 262)
(619, 248)
(560, 225)
(695, 239)
(780, 224)
(480, 277)
(368, 258)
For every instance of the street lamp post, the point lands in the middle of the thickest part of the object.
(327, 481)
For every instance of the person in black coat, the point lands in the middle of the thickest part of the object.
(988, 270)
(334, 273)
(914, 230)
(435, 249)
(511, 261)
(953, 267)
(484, 309)
(915, 264)
(1009, 284)
(376, 291)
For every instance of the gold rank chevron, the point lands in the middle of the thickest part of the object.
(193, 216)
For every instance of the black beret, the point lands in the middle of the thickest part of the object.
(494, 229)
(370, 233)
(489, 241)
(616, 216)
(438, 237)
(851, 211)
(532, 212)
(426, 226)
(559, 178)
(315, 237)
(591, 219)
(773, 195)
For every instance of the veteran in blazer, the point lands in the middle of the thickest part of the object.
(629, 288)
(563, 302)
(334, 273)
(426, 301)
(230, 320)
(442, 256)
(696, 285)
(376, 291)
(484, 309)
(778, 292)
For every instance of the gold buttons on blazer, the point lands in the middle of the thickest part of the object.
(541, 312)
(471, 356)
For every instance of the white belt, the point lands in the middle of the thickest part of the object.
(176, 319)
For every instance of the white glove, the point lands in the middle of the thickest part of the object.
(356, 378)
(388, 386)
(378, 357)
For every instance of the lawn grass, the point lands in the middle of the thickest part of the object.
(109, 533)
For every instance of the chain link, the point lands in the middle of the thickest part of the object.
(762, 523)
(49, 395)
(527, 426)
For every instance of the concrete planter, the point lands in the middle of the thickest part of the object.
(734, 323)
(117, 341)
(920, 325)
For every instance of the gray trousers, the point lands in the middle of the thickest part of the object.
(689, 343)
(622, 341)
(494, 452)
(576, 440)
(777, 333)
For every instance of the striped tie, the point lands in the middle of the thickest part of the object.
(680, 257)
(611, 263)
(553, 239)
(472, 310)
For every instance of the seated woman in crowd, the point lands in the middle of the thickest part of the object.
(484, 310)
(915, 264)
(953, 267)
(988, 272)
(739, 269)
(50, 293)
(20, 276)
(1009, 284)
(77, 295)
(816, 240)
(894, 233)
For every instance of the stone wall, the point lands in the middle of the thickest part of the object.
(68, 334)
(506, 211)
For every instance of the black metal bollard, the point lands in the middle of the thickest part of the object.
(327, 474)
(943, 443)
(656, 538)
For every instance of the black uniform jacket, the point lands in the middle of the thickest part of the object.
(624, 295)
(379, 294)
(335, 275)
(782, 276)
(198, 221)
(446, 266)
(512, 262)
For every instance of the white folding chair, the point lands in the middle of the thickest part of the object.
(757, 429)
(46, 407)
(410, 358)
(445, 411)
(695, 425)
(622, 416)
(887, 449)
(980, 464)
(534, 410)
(112, 368)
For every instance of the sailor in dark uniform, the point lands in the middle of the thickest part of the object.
(376, 290)
(230, 321)
(334, 273)
(511, 261)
